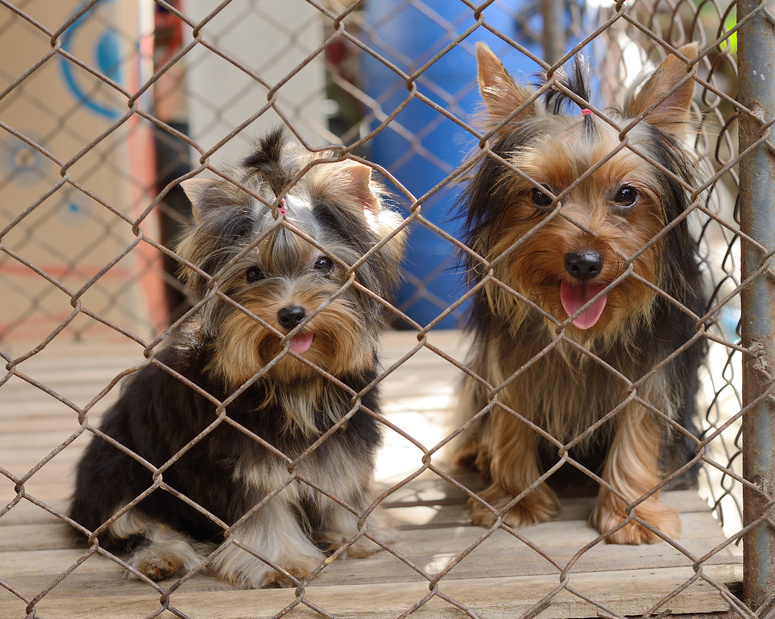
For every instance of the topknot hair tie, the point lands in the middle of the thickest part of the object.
(586, 112)
(282, 208)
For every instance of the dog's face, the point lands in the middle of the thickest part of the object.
(567, 214)
(290, 296)
(591, 243)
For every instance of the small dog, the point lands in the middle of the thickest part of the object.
(228, 420)
(584, 324)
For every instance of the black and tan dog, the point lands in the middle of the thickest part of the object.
(584, 331)
(226, 418)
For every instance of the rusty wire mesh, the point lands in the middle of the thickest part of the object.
(94, 144)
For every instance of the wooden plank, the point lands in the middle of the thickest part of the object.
(49, 492)
(498, 555)
(13, 442)
(26, 456)
(501, 577)
(25, 512)
(418, 508)
(30, 537)
(410, 512)
(437, 491)
(624, 592)
(29, 415)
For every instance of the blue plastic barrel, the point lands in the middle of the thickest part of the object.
(421, 147)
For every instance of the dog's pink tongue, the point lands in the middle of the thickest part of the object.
(573, 297)
(301, 343)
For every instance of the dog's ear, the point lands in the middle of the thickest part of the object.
(363, 198)
(355, 179)
(501, 94)
(208, 193)
(669, 91)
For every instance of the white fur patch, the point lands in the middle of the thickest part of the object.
(274, 533)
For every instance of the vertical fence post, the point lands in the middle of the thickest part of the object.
(756, 88)
(554, 29)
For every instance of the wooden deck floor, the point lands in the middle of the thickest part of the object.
(501, 577)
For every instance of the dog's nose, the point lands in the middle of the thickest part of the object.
(290, 316)
(584, 264)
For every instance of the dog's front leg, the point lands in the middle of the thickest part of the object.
(632, 469)
(514, 466)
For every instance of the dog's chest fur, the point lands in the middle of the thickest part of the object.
(565, 391)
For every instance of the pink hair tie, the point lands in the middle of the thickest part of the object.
(283, 210)
(586, 112)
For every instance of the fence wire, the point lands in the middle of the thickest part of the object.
(107, 105)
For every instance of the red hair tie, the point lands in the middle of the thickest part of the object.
(282, 208)
(586, 112)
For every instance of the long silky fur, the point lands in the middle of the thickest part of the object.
(667, 327)
(563, 385)
(287, 406)
(649, 341)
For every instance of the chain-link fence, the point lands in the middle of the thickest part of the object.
(108, 107)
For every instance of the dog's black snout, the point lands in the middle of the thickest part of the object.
(584, 264)
(290, 316)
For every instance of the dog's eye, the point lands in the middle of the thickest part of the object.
(540, 199)
(626, 196)
(324, 264)
(254, 274)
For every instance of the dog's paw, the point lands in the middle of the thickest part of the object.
(607, 516)
(634, 534)
(166, 552)
(158, 567)
(538, 506)
(276, 579)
